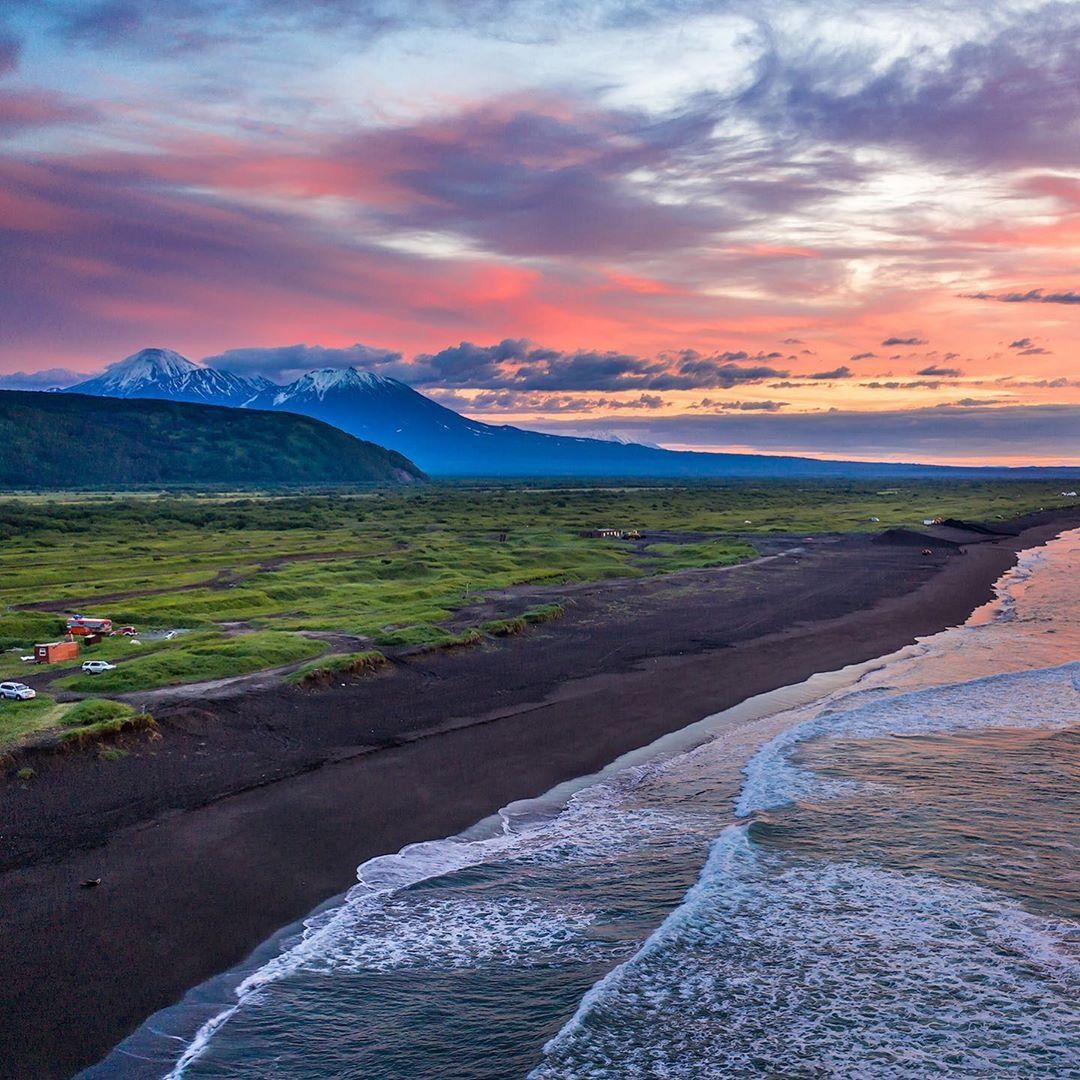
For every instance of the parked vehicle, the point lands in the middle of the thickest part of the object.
(96, 667)
(126, 631)
(17, 691)
(28, 659)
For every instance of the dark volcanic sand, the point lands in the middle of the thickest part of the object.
(253, 809)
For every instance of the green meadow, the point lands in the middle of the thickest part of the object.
(249, 578)
(18, 718)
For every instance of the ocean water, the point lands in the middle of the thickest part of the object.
(874, 874)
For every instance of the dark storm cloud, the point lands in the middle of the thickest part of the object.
(1032, 296)
(940, 372)
(520, 365)
(891, 342)
(482, 366)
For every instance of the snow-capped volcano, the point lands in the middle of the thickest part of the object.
(164, 374)
(316, 385)
(150, 364)
(370, 406)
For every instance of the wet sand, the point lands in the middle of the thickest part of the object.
(252, 809)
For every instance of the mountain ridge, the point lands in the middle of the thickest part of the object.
(389, 413)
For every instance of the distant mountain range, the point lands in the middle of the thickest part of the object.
(79, 441)
(441, 441)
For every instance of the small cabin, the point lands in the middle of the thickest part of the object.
(52, 652)
(604, 534)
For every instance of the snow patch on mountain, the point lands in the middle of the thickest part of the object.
(317, 384)
(608, 435)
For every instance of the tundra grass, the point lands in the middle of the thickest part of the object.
(19, 718)
(88, 734)
(543, 613)
(515, 624)
(198, 658)
(393, 566)
(370, 660)
(670, 557)
(95, 711)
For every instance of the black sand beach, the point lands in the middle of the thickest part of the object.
(253, 808)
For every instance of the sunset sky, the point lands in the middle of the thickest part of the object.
(835, 228)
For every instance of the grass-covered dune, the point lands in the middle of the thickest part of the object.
(73, 441)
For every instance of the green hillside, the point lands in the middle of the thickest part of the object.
(72, 441)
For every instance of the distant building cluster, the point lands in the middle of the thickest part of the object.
(612, 534)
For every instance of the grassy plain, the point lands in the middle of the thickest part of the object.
(249, 577)
(18, 718)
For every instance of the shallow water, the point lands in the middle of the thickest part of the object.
(899, 897)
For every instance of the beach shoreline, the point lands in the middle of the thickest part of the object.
(199, 871)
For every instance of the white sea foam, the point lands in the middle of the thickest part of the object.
(1043, 699)
(818, 969)
(406, 931)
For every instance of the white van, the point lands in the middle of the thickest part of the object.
(96, 667)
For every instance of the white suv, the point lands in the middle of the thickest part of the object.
(96, 667)
(17, 691)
